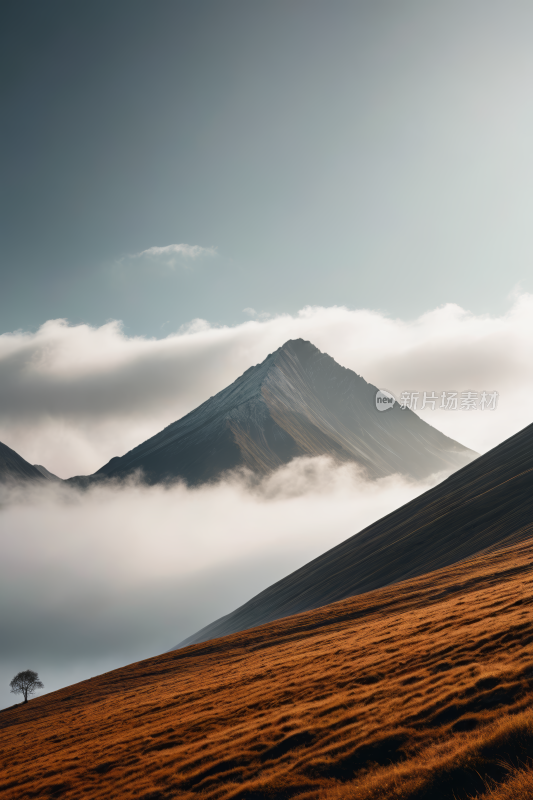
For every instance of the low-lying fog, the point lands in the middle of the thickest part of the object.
(93, 580)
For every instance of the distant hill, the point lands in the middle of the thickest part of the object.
(46, 473)
(14, 469)
(483, 507)
(298, 402)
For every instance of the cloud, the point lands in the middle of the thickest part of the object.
(73, 396)
(259, 315)
(171, 254)
(92, 580)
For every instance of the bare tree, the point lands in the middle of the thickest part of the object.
(26, 682)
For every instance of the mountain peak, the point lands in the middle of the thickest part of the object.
(299, 346)
(297, 402)
(301, 349)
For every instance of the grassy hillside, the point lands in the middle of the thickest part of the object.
(419, 690)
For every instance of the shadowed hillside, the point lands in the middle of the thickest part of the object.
(14, 469)
(419, 690)
(486, 505)
(298, 402)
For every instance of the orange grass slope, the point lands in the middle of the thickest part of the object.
(419, 690)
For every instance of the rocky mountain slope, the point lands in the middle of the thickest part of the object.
(298, 402)
(483, 507)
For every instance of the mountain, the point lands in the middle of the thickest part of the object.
(298, 402)
(485, 506)
(14, 469)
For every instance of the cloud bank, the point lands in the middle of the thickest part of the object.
(73, 396)
(93, 580)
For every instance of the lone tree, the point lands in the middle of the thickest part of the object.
(26, 682)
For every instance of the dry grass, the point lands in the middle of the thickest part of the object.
(419, 690)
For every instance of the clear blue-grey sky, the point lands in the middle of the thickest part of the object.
(371, 154)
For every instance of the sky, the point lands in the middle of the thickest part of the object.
(187, 185)
(368, 154)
